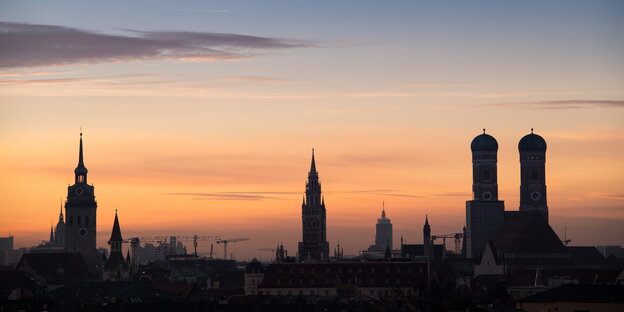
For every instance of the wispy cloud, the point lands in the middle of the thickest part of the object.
(454, 194)
(29, 45)
(254, 79)
(564, 104)
(246, 196)
(204, 10)
(440, 85)
(379, 192)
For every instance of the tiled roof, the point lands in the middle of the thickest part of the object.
(527, 232)
(56, 267)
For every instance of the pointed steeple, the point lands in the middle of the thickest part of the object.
(51, 233)
(426, 221)
(128, 256)
(80, 156)
(81, 170)
(61, 212)
(116, 234)
(313, 166)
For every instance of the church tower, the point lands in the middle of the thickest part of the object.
(532, 148)
(80, 214)
(427, 250)
(115, 267)
(314, 245)
(484, 213)
(59, 232)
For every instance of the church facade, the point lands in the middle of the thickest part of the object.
(485, 214)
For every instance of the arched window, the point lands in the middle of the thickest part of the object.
(79, 221)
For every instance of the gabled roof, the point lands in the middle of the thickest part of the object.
(56, 267)
(527, 232)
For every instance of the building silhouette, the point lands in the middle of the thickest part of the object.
(314, 245)
(383, 233)
(532, 148)
(115, 268)
(59, 231)
(80, 214)
(484, 213)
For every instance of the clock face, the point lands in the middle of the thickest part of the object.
(79, 191)
(535, 195)
(83, 232)
(487, 195)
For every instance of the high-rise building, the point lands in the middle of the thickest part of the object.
(383, 232)
(532, 148)
(484, 213)
(314, 245)
(80, 213)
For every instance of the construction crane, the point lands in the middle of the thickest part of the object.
(456, 236)
(172, 239)
(225, 243)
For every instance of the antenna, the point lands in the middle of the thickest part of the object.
(566, 241)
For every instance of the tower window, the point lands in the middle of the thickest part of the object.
(86, 220)
(534, 174)
(486, 175)
(79, 221)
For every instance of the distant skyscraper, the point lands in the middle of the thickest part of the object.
(484, 213)
(532, 148)
(314, 245)
(383, 232)
(80, 213)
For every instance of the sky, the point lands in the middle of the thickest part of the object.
(199, 116)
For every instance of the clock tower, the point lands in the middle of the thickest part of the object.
(80, 215)
(532, 148)
(484, 213)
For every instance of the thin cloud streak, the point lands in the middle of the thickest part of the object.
(245, 196)
(30, 45)
(564, 104)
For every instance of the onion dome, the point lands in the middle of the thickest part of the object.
(532, 143)
(484, 143)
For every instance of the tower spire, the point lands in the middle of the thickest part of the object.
(313, 166)
(61, 211)
(81, 170)
(80, 158)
